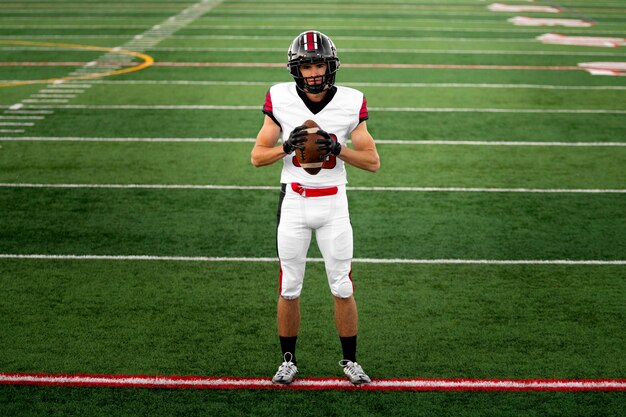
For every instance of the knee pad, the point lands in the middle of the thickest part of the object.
(291, 280)
(342, 288)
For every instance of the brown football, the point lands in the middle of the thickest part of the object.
(310, 158)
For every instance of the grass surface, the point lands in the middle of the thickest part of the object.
(514, 321)
(413, 165)
(415, 226)
(218, 318)
(141, 402)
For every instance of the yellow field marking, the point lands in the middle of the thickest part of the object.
(147, 61)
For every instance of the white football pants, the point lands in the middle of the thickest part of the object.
(329, 217)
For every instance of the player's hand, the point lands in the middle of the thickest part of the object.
(296, 139)
(328, 145)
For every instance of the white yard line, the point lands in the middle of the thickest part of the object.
(210, 64)
(268, 187)
(381, 109)
(355, 260)
(365, 27)
(499, 143)
(325, 27)
(362, 50)
(378, 141)
(492, 110)
(369, 28)
(9, 117)
(351, 84)
(370, 84)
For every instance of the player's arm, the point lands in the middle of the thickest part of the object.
(266, 151)
(363, 153)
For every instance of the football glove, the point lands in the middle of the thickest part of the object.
(328, 145)
(296, 139)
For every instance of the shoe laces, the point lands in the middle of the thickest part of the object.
(287, 367)
(287, 357)
(352, 368)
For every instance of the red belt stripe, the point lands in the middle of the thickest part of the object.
(313, 192)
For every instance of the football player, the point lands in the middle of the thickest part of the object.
(315, 202)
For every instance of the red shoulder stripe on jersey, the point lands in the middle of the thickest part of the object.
(267, 107)
(363, 114)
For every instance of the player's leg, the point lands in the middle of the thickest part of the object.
(288, 317)
(293, 239)
(288, 320)
(346, 319)
(335, 241)
(288, 313)
(336, 245)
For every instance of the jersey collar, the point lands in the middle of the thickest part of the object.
(317, 107)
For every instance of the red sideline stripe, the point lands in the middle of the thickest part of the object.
(138, 381)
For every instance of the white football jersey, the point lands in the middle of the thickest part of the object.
(339, 118)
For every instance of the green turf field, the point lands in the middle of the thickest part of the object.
(490, 245)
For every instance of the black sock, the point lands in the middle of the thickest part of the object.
(348, 344)
(288, 345)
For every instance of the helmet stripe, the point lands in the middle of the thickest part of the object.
(310, 43)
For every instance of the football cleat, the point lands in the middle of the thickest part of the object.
(286, 371)
(354, 372)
